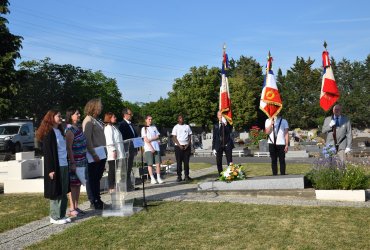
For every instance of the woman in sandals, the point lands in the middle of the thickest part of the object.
(56, 181)
(76, 148)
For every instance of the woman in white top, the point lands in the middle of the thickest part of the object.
(151, 147)
(114, 141)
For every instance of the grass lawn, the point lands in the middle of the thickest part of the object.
(262, 169)
(186, 225)
(19, 209)
(198, 166)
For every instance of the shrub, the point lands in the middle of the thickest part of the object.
(354, 177)
(326, 178)
(330, 173)
(256, 134)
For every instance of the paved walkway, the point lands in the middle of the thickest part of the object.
(169, 191)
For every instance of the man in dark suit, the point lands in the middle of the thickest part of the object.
(222, 141)
(128, 132)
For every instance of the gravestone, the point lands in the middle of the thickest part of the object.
(26, 169)
(256, 183)
(263, 146)
(25, 156)
(244, 136)
(207, 141)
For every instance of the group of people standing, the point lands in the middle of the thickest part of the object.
(74, 155)
(337, 128)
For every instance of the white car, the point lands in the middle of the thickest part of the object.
(17, 136)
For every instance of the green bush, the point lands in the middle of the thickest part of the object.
(354, 178)
(348, 178)
(326, 178)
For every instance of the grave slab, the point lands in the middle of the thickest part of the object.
(256, 183)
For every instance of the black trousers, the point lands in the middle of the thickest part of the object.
(95, 173)
(182, 156)
(277, 151)
(228, 154)
(113, 164)
(128, 164)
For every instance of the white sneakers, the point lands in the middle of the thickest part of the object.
(154, 181)
(60, 221)
(159, 180)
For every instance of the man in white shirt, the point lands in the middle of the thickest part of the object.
(339, 132)
(181, 136)
(278, 139)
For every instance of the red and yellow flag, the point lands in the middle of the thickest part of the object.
(270, 102)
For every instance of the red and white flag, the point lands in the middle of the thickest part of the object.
(329, 90)
(270, 102)
(225, 100)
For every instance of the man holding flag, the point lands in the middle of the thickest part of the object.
(222, 139)
(276, 127)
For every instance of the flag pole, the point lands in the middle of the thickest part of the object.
(269, 66)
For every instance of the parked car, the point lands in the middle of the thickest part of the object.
(17, 136)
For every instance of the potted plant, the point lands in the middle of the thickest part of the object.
(334, 180)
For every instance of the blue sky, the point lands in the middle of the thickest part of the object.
(145, 45)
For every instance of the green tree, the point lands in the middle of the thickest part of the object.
(196, 95)
(245, 89)
(44, 85)
(163, 112)
(9, 51)
(300, 92)
(353, 81)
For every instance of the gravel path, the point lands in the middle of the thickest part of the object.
(169, 191)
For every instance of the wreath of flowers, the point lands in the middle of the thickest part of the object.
(233, 172)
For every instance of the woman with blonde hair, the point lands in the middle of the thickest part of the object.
(113, 138)
(56, 181)
(95, 139)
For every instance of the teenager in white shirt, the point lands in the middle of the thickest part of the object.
(278, 139)
(151, 147)
(181, 136)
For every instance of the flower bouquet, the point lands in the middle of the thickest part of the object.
(233, 172)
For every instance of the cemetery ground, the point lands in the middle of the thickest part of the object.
(230, 223)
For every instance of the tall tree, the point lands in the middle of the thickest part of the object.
(300, 95)
(9, 51)
(354, 85)
(163, 112)
(196, 95)
(64, 86)
(245, 87)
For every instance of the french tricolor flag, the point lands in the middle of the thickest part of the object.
(270, 102)
(329, 90)
(225, 100)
